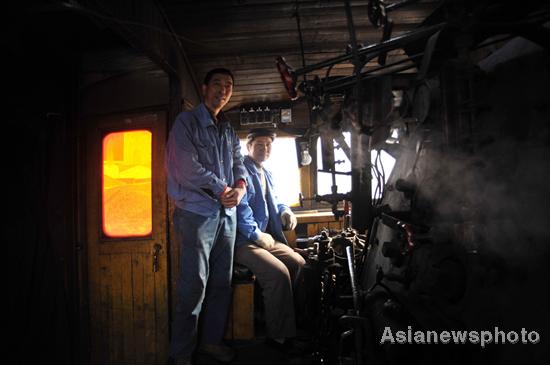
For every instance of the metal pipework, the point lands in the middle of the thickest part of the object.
(351, 268)
(378, 10)
(288, 74)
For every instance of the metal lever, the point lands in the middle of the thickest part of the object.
(156, 253)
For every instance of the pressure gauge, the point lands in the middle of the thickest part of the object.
(286, 115)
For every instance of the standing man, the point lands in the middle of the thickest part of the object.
(206, 180)
(261, 245)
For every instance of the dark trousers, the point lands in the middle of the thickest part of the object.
(204, 281)
(279, 272)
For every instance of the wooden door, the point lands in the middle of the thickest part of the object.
(126, 239)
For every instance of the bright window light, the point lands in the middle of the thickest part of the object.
(382, 167)
(383, 164)
(324, 179)
(126, 188)
(283, 165)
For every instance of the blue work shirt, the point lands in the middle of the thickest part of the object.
(256, 211)
(202, 158)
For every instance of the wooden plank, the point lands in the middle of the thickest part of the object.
(149, 315)
(315, 217)
(270, 78)
(115, 326)
(139, 301)
(129, 345)
(312, 229)
(251, 61)
(116, 341)
(265, 92)
(120, 246)
(160, 283)
(261, 42)
(263, 68)
(102, 315)
(279, 28)
(337, 225)
(251, 99)
(307, 9)
(259, 87)
(306, 181)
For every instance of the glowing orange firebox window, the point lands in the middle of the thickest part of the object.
(127, 207)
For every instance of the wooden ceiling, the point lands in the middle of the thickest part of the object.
(247, 35)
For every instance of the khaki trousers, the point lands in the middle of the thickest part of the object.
(279, 272)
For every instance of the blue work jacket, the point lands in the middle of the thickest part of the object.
(202, 158)
(255, 211)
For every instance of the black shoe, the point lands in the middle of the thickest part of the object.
(287, 348)
(220, 352)
(303, 345)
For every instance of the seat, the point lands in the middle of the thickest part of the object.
(240, 322)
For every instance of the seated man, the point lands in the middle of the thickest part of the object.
(261, 245)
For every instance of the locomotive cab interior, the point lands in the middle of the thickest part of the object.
(412, 144)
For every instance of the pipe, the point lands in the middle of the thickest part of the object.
(354, 290)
